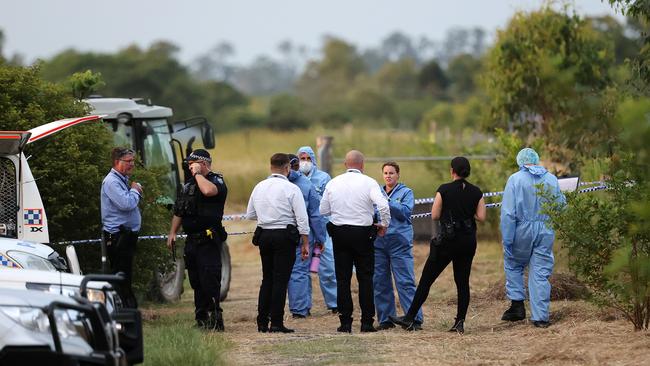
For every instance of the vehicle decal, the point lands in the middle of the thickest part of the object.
(67, 123)
(7, 262)
(33, 216)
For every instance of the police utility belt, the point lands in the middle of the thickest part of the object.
(209, 234)
(449, 229)
(291, 230)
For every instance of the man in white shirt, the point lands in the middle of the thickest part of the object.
(350, 200)
(282, 223)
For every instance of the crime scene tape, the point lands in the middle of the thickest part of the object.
(498, 204)
(238, 217)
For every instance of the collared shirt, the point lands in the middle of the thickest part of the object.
(119, 203)
(349, 198)
(276, 203)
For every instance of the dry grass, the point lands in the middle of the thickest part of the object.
(580, 334)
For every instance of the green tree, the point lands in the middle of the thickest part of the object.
(153, 73)
(462, 71)
(85, 83)
(286, 112)
(432, 80)
(398, 80)
(69, 166)
(547, 75)
(325, 82)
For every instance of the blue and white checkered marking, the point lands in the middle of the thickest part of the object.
(33, 216)
(7, 262)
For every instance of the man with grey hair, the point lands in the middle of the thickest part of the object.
(121, 218)
(350, 200)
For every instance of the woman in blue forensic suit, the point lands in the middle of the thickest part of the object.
(527, 240)
(394, 252)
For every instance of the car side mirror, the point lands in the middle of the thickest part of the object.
(208, 136)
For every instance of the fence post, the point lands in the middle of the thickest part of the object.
(324, 147)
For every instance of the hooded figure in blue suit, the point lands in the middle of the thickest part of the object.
(319, 178)
(527, 240)
(299, 289)
(394, 252)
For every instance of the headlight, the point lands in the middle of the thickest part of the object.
(30, 318)
(96, 296)
(92, 294)
(36, 320)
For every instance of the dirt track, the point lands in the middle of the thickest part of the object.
(580, 334)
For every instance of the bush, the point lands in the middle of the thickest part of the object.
(286, 112)
(604, 249)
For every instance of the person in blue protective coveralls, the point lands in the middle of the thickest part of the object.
(326, 274)
(394, 251)
(300, 282)
(527, 240)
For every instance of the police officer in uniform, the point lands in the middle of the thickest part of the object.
(199, 209)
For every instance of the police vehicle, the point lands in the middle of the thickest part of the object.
(28, 265)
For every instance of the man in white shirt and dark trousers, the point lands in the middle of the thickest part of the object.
(350, 200)
(282, 224)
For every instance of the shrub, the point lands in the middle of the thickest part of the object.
(604, 249)
(286, 112)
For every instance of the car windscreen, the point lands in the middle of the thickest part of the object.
(30, 261)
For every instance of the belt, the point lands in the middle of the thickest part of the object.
(201, 234)
(353, 226)
(282, 229)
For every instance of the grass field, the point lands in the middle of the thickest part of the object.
(580, 334)
(243, 156)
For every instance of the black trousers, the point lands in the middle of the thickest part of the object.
(202, 257)
(278, 253)
(354, 246)
(460, 252)
(120, 248)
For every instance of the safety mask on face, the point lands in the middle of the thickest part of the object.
(305, 166)
(293, 175)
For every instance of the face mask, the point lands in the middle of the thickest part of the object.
(293, 175)
(305, 166)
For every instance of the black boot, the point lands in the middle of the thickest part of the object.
(262, 324)
(386, 325)
(367, 328)
(541, 324)
(458, 326)
(405, 321)
(215, 321)
(516, 312)
(346, 325)
(280, 329)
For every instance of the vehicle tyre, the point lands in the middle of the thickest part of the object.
(171, 283)
(225, 271)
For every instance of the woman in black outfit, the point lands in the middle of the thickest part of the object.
(457, 204)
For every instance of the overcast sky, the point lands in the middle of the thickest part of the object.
(42, 28)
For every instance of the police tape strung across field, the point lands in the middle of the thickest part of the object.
(238, 217)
